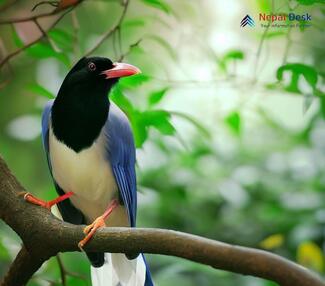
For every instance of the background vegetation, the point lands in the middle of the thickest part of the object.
(228, 121)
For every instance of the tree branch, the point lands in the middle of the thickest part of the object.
(23, 267)
(44, 236)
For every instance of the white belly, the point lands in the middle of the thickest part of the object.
(89, 176)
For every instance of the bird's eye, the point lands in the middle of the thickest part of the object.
(92, 66)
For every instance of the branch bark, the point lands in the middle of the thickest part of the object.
(44, 236)
(26, 264)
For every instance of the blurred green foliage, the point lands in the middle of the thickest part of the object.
(222, 150)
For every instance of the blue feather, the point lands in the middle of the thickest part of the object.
(121, 155)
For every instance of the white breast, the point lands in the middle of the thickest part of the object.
(87, 174)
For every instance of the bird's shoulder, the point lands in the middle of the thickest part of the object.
(47, 111)
(118, 125)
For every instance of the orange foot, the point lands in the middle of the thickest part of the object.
(33, 200)
(98, 223)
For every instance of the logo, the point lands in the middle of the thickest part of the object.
(247, 20)
(284, 20)
(284, 17)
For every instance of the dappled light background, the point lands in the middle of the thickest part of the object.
(228, 120)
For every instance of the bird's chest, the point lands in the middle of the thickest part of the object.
(87, 173)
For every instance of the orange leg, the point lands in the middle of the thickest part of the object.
(33, 200)
(98, 223)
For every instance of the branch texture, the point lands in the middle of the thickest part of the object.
(44, 236)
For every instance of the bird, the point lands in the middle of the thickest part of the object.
(90, 150)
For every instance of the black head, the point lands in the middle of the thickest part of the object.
(80, 110)
(96, 74)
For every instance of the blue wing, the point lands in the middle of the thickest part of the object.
(45, 129)
(121, 155)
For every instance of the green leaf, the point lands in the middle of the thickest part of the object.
(139, 129)
(165, 127)
(159, 4)
(18, 42)
(42, 50)
(310, 255)
(232, 55)
(159, 119)
(62, 38)
(121, 100)
(297, 69)
(133, 23)
(271, 35)
(133, 81)
(139, 126)
(319, 93)
(4, 254)
(234, 122)
(264, 6)
(40, 90)
(310, 2)
(156, 96)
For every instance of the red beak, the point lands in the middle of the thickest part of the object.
(121, 70)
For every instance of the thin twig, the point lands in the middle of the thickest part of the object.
(119, 39)
(110, 32)
(18, 51)
(132, 46)
(76, 27)
(287, 46)
(114, 44)
(51, 3)
(263, 38)
(39, 16)
(62, 270)
(45, 35)
(259, 50)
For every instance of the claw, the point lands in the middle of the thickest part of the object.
(90, 230)
(21, 194)
(81, 245)
(99, 222)
(28, 197)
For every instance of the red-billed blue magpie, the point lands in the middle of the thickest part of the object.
(91, 156)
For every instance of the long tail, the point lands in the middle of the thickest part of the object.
(119, 270)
